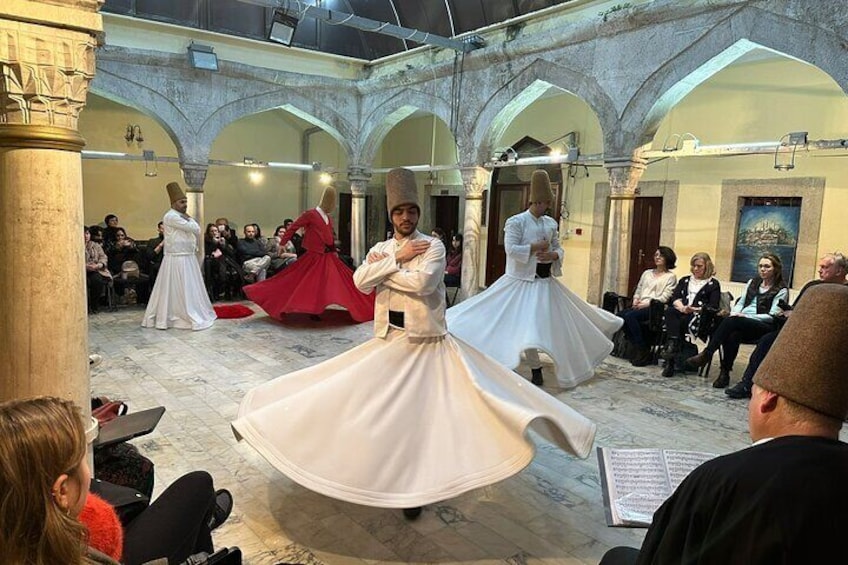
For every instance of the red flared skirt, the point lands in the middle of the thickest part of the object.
(308, 286)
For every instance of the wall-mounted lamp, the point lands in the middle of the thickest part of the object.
(202, 57)
(793, 140)
(283, 26)
(150, 167)
(133, 134)
(249, 161)
(325, 178)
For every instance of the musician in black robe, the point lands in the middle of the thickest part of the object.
(782, 500)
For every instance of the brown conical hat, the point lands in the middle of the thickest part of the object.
(540, 187)
(401, 189)
(328, 200)
(806, 363)
(175, 192)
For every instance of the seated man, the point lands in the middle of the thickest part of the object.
(255, 260)
(782, 500)
(154, 252)
(833, 268)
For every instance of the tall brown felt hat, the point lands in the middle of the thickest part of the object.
(401, 189)
(175, 192)
(540, 187)
(328, 200)
(806, 364)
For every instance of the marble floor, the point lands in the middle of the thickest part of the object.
(551, 512)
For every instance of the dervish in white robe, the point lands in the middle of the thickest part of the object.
(522, 313)
(411, 417)
(179, 298)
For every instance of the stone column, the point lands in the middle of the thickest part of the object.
(475, 180)
(46, 64)
(358, 237)
(195, 175)
(624, 175)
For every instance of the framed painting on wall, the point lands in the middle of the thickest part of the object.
(765, 229)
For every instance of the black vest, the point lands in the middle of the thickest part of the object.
(765, 299)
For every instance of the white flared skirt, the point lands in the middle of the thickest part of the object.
(397, 424)
(514, 315)
(179, 298)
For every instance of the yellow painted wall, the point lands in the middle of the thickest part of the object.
(272, 195)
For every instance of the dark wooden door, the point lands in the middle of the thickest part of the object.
(446, 214)
(644, 238)
(508, 200)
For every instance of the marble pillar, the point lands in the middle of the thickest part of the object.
(195, 175)
(624, 175)
(475, 181)
(358, 236)
(46, 65)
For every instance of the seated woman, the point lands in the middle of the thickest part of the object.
(453, 270)
(215, 251)
(44, 483)
(751, 318)
(654, 284)
(97, 275)
(693, 293)
(281, 255)
(119, 250)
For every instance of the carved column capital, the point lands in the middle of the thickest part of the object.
(624, 175)
(475, 180)
(359, 180)
(194, 175)
(45, 75)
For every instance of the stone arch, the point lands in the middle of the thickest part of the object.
(303, 107)
(146, 100)
(393, 111)
(519, 92)
(718, 48)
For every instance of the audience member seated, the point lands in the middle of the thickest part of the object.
(44, 484)
(215, 250)
(97, 274)
(833, 268)
(441, 235)
(154, 252)
(96, 234)
(691, 295)
(781, 500)
(227, 232)
(751, 318)
(110, 229)
(654, 284)
(251, 253)
(281, 257)
(121, 250)
(453, 269)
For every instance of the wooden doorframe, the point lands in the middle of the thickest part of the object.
(646, 232)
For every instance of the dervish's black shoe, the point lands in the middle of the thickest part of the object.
(412, 513)
(537, 379)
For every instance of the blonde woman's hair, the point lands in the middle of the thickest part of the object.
(709, 268)
(40, 439)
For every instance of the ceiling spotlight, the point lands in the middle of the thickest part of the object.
(283, 26)
(202, 57)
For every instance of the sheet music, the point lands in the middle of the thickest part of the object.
(637, 481)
